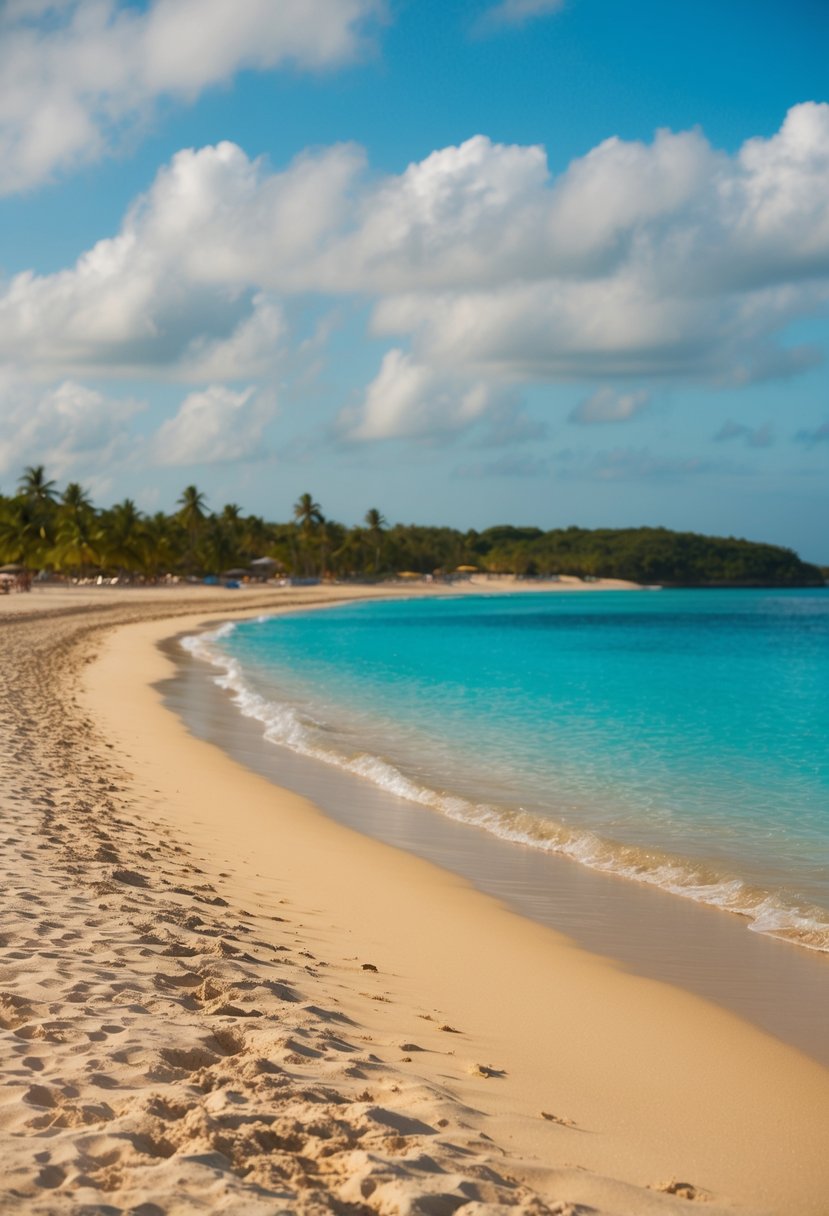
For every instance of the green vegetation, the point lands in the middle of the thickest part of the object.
(647, 555)
(62, 532)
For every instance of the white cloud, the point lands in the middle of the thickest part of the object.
(410, 400)
(255, 346)
(646, 262)
(611, 327)
(180, 284)
(463, 215)
(517, 12)
(607, 405)
(215, 426)
(74, 73)
(67, 427)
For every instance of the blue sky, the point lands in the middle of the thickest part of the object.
(468, 262)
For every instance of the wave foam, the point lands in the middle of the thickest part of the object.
(768, 913)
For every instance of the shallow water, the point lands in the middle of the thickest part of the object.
(676, 738)
(774, 984)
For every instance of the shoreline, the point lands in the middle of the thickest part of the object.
(638, 1082)
(699, 948)
(751, 897)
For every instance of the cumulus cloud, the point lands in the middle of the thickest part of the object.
(607, 405)
(661, 261)
(410, 400)
(75, 73)
(67, 427)
(255, 347)
(214, 426)
(614, 327)
(179, 288)
(752, 437)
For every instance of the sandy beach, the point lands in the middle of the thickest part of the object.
(215, 999)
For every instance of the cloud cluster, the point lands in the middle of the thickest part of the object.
(215, 426)
(411, 400)
(63, 427)
(659, 262)
(75, 430)
(75, 73)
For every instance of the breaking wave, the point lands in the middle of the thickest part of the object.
(775, 913)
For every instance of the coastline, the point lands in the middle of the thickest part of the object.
(703, 949)
(638, 1081)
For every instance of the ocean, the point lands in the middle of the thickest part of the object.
(676, 738)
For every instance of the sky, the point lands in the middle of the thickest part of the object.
(469, 262)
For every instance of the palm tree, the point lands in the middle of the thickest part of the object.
(230, 523)
(77, 531)
(75, 499)
(34, 484)
(331, 538)
(77, 545)
(255, 537)
(36, 494)
(192, 515)
(121, 535)
(307, 513)
(308, 516)
(157, 543)
(220, 545)
(349, 557)
(375, 523)
(22, 534)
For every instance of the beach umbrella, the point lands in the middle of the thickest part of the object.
(234, 574)
(12, 568)
(409, 574)
(466, 569)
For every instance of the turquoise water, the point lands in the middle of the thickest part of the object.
(675, 737)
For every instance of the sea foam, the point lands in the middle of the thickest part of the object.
(769, 912)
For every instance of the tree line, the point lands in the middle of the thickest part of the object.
(61, 531)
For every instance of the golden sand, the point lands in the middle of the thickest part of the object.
(214, 999)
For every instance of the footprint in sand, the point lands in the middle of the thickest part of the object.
(51, 1177)
(14, 1011)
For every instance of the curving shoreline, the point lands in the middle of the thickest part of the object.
(680, 865)
(322, 1098)
(704, 950)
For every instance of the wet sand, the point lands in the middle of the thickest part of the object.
(780, 987)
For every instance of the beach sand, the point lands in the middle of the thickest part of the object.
(215, 999)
